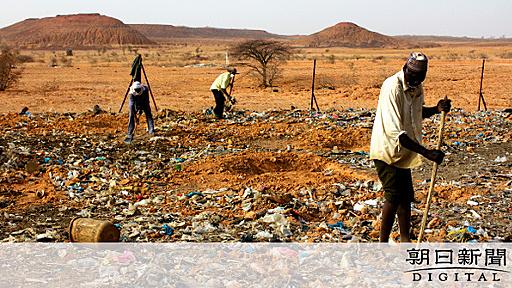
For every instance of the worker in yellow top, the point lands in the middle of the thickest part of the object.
(220, 93)
(396, 141)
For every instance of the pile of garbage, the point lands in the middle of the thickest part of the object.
(274, 176)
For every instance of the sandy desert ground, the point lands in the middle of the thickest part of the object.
(345, 78)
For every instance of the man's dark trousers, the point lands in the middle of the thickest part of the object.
(219, 103)
(140, 103)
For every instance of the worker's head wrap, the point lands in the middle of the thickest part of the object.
(415, 69)
(136, 88)
(232, 70)
(417, 62)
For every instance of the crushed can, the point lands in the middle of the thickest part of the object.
(92, 230)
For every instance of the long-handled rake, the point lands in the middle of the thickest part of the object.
(433, 177)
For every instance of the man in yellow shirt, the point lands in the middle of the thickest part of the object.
(219, 87)
(396, 141)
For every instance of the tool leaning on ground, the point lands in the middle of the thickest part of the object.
(230, 98)
(433, 177)
(137, 68)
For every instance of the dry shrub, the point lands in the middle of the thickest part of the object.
(331, 59)
(349, 79)
(49, 86)
(453, 56)
(25, 58)
(379, 78)
(326, 82)
(9, 73)
(506, 55)
(376, 59)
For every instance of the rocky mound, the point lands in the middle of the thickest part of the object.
(346, 34)
(162, 33)
(71, 31)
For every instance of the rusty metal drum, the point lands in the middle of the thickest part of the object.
(92, 230)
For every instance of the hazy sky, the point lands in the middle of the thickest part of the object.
(474, 18)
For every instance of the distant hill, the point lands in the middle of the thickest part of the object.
(440, 39)
(431, 38)
(347, 34)
(82, 31)
(71, 31)
(164, 33)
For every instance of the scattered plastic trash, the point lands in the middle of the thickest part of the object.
(501, 159)
(472, 203)
(338, 225)
(146, 188)
(471, 230)
(194, 193)
(475, 215)
(263, 235)
(358, 207)
(371, 202)
(167, 230)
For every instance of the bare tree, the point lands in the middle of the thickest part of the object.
(264, 57)
(9, 74)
